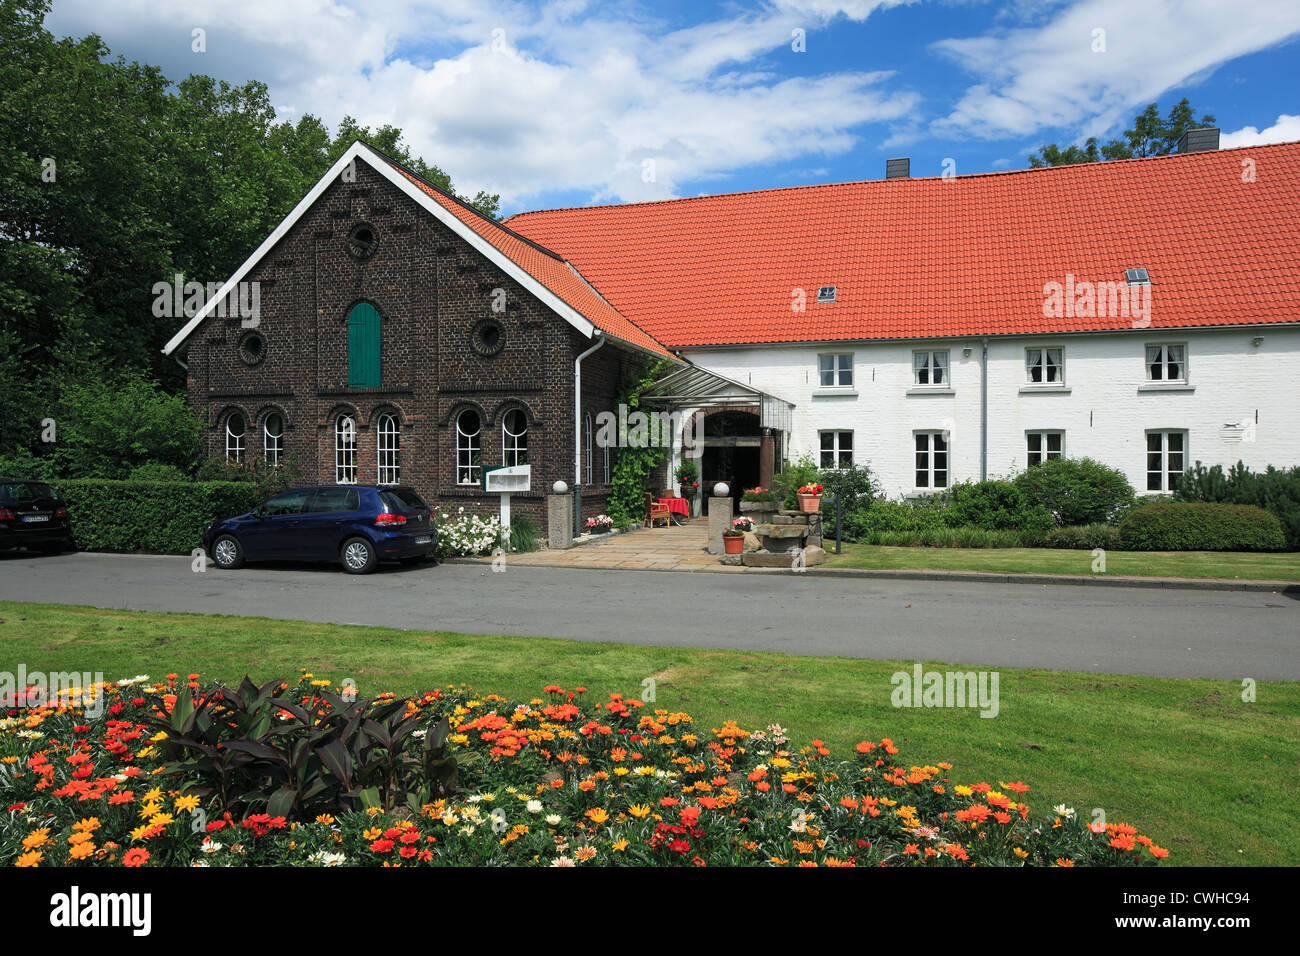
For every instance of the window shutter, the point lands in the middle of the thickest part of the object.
(363, 346)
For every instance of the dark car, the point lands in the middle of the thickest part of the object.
(32, 516)
(356, 525)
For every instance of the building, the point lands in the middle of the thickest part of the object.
(1141, 312)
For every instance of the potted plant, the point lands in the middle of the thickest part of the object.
(758, 499)
(599, 524)
(810, 498)
(733, 540)
(688, 476)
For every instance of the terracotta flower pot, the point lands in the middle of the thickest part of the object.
(809, 503)
(734, 544)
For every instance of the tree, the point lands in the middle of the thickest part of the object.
(113, 179)
(1149, 136)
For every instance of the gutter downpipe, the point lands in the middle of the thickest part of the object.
(984, 410)
(577, 428)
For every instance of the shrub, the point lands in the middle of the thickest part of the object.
(1274, 489)
(758, 494)
(894, 516)
(1201, 526)
(157, 471)
(1076, 490)
(855, 486)
(165, 517)
(787, 483)
(997, 505)
(524, 534)
(1085, 537)
(467, 534)
(269, 479)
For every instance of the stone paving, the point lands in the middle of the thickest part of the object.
(655, 549)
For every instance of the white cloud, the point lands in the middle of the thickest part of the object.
(1050, 75)
(565, 97)
(1285, 130)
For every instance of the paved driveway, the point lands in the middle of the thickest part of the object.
(1117, 630)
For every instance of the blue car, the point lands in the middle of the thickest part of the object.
(356, 525)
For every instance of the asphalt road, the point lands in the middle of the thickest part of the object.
(1171, 633)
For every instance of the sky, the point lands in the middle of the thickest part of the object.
(572, 103)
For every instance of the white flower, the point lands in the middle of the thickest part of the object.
(562, 861)
(212, 846)
(1063, 810)
(553, 819)
(322, 858)
(533, 806)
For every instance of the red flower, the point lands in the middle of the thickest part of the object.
(136, 857)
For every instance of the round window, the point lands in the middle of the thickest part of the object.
(252, 347)
(362, 240)
(487, 337)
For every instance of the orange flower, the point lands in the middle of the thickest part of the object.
(1159, 852)
(137, 857)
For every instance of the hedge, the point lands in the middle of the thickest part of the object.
(1199, 526)
(1085, 537)
(167, 517)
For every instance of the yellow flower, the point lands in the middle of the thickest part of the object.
(89, 824)
(30, 859)
(1019, 852)
(639, 810)
(618, 846)
(149, 809)
(82, 851)
(597, 815)
(37, 838)
(325, 818)
(186, 803)
(962, 790)
(621, 771)
(374, 833)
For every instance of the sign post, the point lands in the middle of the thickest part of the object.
(505, 479)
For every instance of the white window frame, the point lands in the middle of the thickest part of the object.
(838, 369)
(1044, 362)
(836, 451)
(388, 447)
(587, 445)
(345, 450)
(930, 367)
(932, 439)
(235, 441)
(1167, 476)
(607, 475)
(514, 445)
(1163, 360)
(468, 445)
(1044, 454)
(272, 444)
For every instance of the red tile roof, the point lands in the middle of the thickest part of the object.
(920, 258)
(548, 269)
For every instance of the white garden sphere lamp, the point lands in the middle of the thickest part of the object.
(560, 488)
(720, 490)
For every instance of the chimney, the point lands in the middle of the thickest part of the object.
(899, 168)
(1199, 140)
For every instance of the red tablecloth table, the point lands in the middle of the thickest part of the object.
(679, 506)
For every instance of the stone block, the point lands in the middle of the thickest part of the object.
(559, 521)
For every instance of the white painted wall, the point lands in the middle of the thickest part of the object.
(1104, 409)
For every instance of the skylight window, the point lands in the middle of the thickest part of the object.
(1137, 277)
(826, 293)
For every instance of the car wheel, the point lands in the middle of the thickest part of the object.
(227, 553)
(358, 556)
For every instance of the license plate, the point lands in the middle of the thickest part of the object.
(36, 517)
(424, 539)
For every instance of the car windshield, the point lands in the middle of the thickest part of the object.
(403, 499)
(25, 490)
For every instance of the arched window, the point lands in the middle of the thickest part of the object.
(390, 450)
(363, 346)
(514, 438)
(273, 439)
(586, 445)
(345, 450)
(234, 437)
(468, 460)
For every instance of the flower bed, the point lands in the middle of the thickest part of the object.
(454, 777)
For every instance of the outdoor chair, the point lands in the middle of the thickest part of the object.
(654, 511)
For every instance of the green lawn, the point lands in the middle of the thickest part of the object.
(1186, 761)
(1177, 564)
